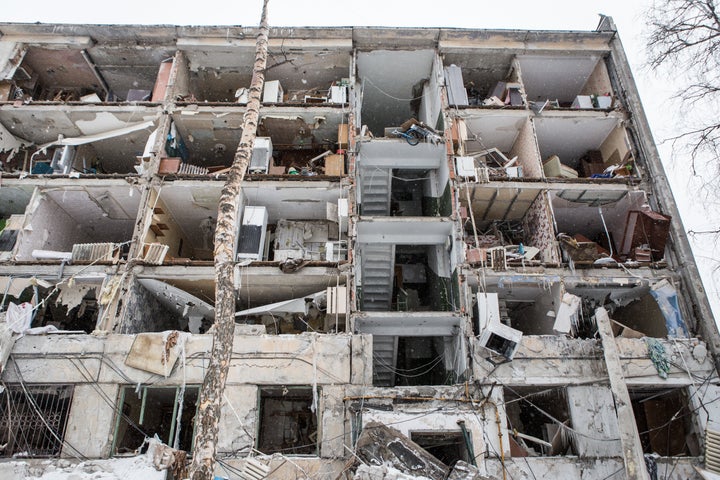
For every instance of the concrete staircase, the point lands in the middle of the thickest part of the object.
(377, 264)
(384, 360)
(375, 192)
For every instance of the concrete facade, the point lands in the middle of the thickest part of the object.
(463, 276)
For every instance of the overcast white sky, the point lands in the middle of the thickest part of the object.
(519, 14)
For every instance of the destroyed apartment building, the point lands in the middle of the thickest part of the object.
(458, 256)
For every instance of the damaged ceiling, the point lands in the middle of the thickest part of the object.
(108, 212)
(481, 70)
(293, 201)
(499, 203)
(41, 125)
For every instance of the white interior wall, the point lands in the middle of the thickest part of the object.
(431, 106)
(387, 79)
(555, 77)
(570, 138)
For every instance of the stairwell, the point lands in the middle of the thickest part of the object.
(384, 360)
(377, 264)
(375, 192)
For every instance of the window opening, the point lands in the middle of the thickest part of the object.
(287, 423)
(534, 414)
(664, 422)
(33, 419)
(448, 447)
(154, 411)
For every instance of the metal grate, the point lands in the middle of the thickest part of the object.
(33, 419)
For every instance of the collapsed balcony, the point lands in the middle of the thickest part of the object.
(320, 312)
(635, 312)
(547, 306)
(49, 307)
(223, 73)
(602, 227)
(13, 202)
(91, 74)
(396, 86)
(279, 222)
(83, 224)
(528, 307)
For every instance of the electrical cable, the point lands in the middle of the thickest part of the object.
(77, 453)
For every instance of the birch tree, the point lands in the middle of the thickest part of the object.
(213, 388)
(684, 42)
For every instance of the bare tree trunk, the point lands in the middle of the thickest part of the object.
(211, 393)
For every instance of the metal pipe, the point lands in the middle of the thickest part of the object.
(468, 442)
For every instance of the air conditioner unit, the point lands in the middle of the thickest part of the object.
(251, 239)
(272, 92)
(336, 300)
(338, 94)
(493, 334)
(261, 155)
(465, 167)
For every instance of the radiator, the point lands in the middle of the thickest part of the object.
(94, 252)
(254, 470)
(187, 169)
(155, 254)
(712, 451)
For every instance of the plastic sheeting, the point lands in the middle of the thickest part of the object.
(666, 297)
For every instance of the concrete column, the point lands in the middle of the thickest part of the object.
(629, 436)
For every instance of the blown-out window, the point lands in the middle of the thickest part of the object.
(168, 412)
(287, 423)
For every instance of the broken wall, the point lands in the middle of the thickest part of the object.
(538, 227)
(144, 312)
(555, 467)
(615, 147)
(76, 359)
(592, 413)
(525, 148)
(598, 83)
(48, 227)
